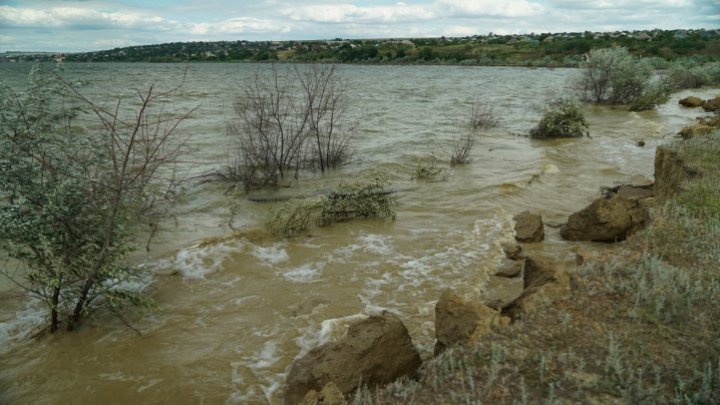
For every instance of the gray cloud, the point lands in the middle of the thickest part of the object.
(64, 25)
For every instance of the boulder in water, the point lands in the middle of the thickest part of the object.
(711, 105)
(529, 227)
(691, 102)
(376, 351)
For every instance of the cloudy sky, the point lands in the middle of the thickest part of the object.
(85, 25)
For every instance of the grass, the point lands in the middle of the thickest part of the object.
(639, 327)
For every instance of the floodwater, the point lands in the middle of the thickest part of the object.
(236, 309)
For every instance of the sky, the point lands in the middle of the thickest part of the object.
(88, 25)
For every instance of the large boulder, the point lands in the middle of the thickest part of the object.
(691, 102)
(711, 105)
(607, 219)
(376, 351)
(670, 172)
(461, 322)
(529, 227)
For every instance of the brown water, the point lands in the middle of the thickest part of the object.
(235, 311)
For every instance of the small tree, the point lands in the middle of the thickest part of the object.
(70, 198)
(613, 76)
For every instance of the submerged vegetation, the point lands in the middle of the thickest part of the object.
(360, 199)
(563, 118)
(291, 120)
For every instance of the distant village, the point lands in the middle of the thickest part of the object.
(398, 49)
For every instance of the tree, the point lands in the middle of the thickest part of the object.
(72, 197)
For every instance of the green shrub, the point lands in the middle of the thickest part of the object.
(361, 199)
(654, 94)
(614, 76)
(563, 118)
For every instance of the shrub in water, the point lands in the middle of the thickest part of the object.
(563, 118)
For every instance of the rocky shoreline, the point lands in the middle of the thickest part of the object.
(378, 350)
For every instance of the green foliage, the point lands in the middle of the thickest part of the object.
(294, 217)
(689, 73)
(563, 118)
(360, 199)
(652, 95)
(614, 76)
(71, 196)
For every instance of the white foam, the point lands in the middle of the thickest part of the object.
(197, 261)
(332, 330)
(377, 244)
(270, 255)
(26, 321)
(305, 273)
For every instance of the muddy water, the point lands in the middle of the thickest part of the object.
(235, 310)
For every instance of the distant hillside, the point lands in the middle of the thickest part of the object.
(561, 49)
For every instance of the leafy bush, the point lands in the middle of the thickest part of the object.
(613, 76)
(563, 118)
(654, 94)
(691, 73)
(361, 199)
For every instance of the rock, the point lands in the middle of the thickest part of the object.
(461, 322)
(712, 104)
(311, 398)
(513, 251)
(376, 351)
(510, 268)
(330, 395)
(500, 292)
(692, 131)
(670, 172)
(633, 192)
(691, 102)
(544, 282)
(528, 227)
(605, 220)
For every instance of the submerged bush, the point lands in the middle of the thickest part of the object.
(361, 199)
(563, 118)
